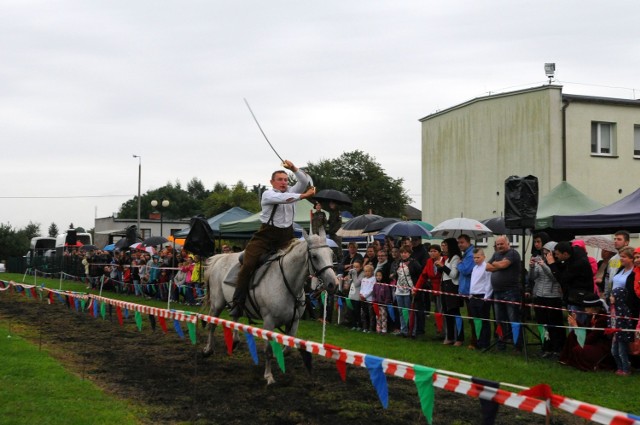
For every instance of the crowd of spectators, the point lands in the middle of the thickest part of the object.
(393, 286)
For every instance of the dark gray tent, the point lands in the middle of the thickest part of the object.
(620, 215)
(232, 214)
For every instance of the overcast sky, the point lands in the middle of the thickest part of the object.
(84, 85)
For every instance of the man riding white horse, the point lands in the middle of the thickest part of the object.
(276, 230)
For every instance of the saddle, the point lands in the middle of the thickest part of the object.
(232, 276)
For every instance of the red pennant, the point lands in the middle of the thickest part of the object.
(438, 318)
(119, 314)
(610, 331)
(33, 292)
(51, 297)
(499, 330)
(228, 339)
(376, 309)
(163, 324)
(542, 391)
(412, 320)
(71, 302)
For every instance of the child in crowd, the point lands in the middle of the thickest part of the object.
(480, 301)
(383, 298)
(355, 279)
(366, 299)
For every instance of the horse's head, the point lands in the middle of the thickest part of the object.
(323, 276)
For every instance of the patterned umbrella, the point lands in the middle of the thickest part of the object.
(406, 228)
(602, 242)
(356, 225)
(455, 227)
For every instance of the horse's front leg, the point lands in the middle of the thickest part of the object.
(268, 353)
(210, 347)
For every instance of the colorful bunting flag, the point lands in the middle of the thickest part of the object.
(103, 310)
(541, 333)
(119, 315)
(376, 309)
(251, 343)
(392, 313)
(477, 324)
(515, 328)
(489, 409)
(423, 377)
(163, 324)
(378, 378)
(349, 305)
(276, 349)
(176, 326)
(228, 339)
(191, 327)
(458, 325)
(581, 334)
(138, 320)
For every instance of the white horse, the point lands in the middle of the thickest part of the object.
(279, 297)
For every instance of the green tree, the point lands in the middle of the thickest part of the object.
(362, 178)
(196, 189)
(31, 231)
(53, 230)
(222, 198)
(13, 243)
(181, 203)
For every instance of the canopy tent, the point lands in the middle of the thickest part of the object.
(620, 215)
(232, 214)
(564, 199)
(246, 227)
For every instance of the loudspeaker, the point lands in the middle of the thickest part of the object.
(72, 238)
(520, 202)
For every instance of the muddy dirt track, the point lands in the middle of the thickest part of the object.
(169, 377)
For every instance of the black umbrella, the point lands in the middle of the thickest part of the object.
(497, 226)
(356, 225)
(88, 247)
(154, 240)
(336, 196)
(380, 224)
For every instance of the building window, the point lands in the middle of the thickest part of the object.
(636, 141)
(145, 233)
(514, 240)
(603, 138)
(482, 243)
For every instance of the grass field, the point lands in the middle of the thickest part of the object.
(35, 389)
(601, 388)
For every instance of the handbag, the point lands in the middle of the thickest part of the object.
(634, 346)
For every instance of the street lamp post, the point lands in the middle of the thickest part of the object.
(139, 180)
(164, 205)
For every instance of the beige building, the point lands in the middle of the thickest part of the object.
(469, 150)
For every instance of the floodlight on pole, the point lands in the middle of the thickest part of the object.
(139, 181)
(550, 70)
(165, 203)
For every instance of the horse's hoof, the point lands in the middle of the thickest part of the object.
(270, 381)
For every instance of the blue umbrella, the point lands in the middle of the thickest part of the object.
(110, 247)
(406, 228)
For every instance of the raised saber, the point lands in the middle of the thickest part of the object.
(262, 131)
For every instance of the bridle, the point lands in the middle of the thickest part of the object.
(313, 269)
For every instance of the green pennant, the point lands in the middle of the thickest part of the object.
(405, 314)
(349, 305)
(83, 304)
(139, 320)
(541, 333)
(424, 382)
(103, 310)
(323, 297)
(477, 325)
(277, 352)
(581, 334)
(192, 332)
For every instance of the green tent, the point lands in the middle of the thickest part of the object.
(249, 225)
(564, 199)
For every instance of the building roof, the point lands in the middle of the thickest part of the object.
(565, 97)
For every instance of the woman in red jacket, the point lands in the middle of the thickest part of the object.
(430, 279)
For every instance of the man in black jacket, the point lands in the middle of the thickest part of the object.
(572, 270)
